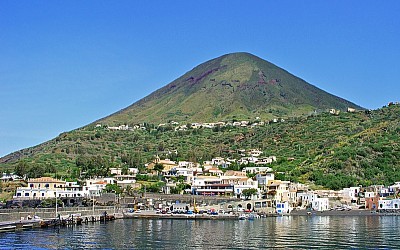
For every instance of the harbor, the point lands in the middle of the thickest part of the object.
(71, 220)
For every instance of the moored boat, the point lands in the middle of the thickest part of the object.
(7, 228)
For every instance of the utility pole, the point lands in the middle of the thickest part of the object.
(56, 204)
(93, 204)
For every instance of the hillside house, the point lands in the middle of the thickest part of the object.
(351, 110)
(235, 173)
(256, 170)
(217, 161)
(263, 179)
(120, 127)
(10, 177)
(255, 152)
(187, 164)
(115, 171)
(214, 171)
(167, 164)
(334, 112)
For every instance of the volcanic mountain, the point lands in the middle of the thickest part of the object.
(233, 86)
(237, 86)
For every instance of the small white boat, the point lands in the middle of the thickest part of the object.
(8, 228)
(242, 217)
(25, 226)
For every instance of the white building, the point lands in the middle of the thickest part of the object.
(210, 185)
(256, 170)
(264, 178)
(255, 152)
(306, 199)
(391, 204)
(186, 164)
(283, 208)
(116, 171)
(10, 177)
(350, 194)
(183, 171)
(40, 188)
(218, 161)
(320, 204)
(95, 187)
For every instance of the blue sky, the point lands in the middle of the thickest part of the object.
(64, 64)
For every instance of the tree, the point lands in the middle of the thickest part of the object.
(21, 168)
(129, 190)
(158, 167)
(249, 192)
(113, 188)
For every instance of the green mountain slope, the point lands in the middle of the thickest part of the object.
(333, 151)
(233, 86)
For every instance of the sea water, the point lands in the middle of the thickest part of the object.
(287, 232)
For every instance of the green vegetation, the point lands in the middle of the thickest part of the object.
(113, 188)
(332, 151)
(249, 192)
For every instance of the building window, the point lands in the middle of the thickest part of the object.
(18, 194)
(26, 194)
(31, 185)
(42, 194)
(47, 185)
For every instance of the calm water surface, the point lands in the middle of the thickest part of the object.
(297, 232)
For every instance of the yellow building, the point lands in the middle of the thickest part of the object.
(279, 190)
(167, 164)
(40, 188)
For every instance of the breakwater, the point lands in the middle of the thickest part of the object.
(153, 215)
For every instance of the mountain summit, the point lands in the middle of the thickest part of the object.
(233, 86)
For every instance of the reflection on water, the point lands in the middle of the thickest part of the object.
(301, 232)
